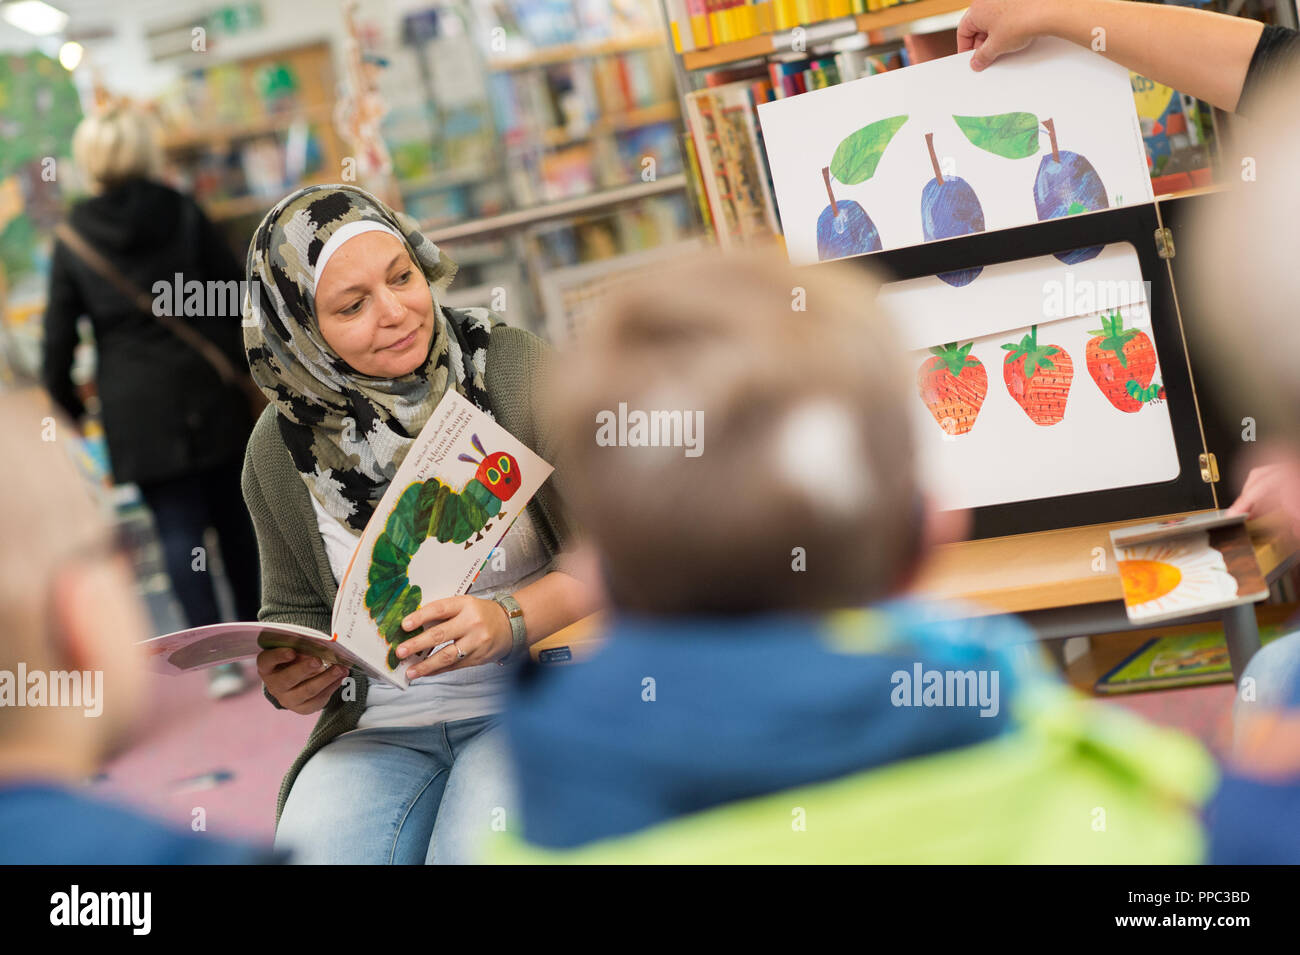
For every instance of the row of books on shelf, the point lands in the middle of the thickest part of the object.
(790, 78)
(265, 167)
(538, 175)
(569, 100)
(529, 25)
(626, 228)
(233, 95)
(697, 24)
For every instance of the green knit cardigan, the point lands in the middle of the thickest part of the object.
(297, 584)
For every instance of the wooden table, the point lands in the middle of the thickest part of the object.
(1062, 583)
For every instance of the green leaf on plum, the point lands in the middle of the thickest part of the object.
(858, 155)
(1010, 135)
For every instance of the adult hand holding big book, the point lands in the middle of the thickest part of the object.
(456, 493)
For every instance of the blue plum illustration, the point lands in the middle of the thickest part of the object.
(950, 208)
(844, 230)
(1066, 185)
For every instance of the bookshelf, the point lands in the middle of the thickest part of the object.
(241, 134)
(764, 44)
(568, 52)
(550, 212)
(520, 134)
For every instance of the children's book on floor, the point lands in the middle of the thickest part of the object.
(459, 489)
(1178, 660)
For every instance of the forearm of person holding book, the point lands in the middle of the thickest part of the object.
(1203, 54)
(481, 629)
(291, 680)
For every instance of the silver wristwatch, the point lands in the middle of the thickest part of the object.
(518, 632)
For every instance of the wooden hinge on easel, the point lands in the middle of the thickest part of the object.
(1164, 243)
(1209, 468)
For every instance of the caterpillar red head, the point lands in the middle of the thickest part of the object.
(498, 471)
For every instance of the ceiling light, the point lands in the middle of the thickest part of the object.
(70, 55)
(35, 16)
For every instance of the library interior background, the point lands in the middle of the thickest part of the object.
(551, 148)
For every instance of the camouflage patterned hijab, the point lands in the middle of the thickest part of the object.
(347, 432)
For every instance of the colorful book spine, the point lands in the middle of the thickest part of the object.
(699, 17)
(714, 8)
(785, 14)
(679, 25)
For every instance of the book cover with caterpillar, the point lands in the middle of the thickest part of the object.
(460, 488)
(463, 483)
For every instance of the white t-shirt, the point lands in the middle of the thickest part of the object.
(461, 694)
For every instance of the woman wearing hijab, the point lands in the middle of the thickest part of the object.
(346, 336)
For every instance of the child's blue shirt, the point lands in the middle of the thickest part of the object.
(673, 715)
(44, 824)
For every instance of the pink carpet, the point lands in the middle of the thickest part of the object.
(1201, 711)
(186, 736)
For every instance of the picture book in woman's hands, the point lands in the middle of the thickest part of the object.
(459, 489)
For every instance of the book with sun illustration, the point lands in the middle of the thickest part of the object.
(457, 492)
(1183, 566)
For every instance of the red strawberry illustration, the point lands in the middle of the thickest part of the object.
(1122, 362)
(1038, 377)
(953, 386)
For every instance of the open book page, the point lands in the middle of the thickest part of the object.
(460, 487)
(1193, 569)
(200, 647)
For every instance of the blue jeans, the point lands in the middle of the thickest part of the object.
(1275, 670)
(403, 795)
(183, 508)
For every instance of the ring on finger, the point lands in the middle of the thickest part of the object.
(460, 654)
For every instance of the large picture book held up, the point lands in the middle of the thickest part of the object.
(936, 151)
(461, 486)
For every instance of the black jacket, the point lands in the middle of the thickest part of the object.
(165, 410)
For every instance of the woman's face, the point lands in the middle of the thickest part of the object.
(374, 307)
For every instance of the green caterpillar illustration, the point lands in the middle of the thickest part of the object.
(432, 509)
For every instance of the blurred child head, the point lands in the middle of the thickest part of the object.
(67, 601)
(115, 144)
(790, 483)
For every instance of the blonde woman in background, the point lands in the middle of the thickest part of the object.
(173, 426)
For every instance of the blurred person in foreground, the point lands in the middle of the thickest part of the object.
(765, 693)
(173, 427)
(1242, 248)
(72, 681)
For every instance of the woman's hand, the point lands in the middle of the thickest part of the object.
(1271, 487)
(298, 681)
(480, 628)
(995, 27)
